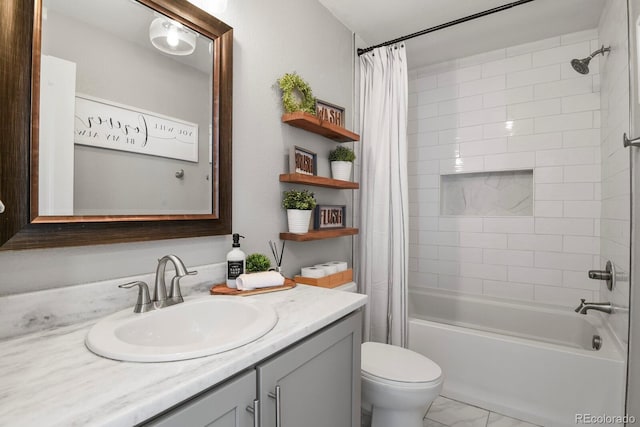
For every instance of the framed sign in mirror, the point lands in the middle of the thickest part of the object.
(122, 95)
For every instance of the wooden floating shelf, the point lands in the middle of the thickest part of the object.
(311, 123)
(318, 181)
(319, 234)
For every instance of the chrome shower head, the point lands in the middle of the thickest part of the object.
(582, 65)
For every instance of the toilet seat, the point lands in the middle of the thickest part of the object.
(397, 366)
(397, 385)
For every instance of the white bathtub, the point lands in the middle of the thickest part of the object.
(529, 362)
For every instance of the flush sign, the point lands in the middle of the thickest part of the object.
(330, 216)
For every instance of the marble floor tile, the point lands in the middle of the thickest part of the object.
(456, 414)
(497, 420)
(430, 423)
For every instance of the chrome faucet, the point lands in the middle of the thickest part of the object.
(160, 289)
(160, 299)
(584, 307)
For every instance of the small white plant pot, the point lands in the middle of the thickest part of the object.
(341, 170)
(298, 220)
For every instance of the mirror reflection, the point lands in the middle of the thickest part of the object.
(125, 112)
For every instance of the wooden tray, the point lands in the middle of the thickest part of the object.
(330, 281)
(222, 289)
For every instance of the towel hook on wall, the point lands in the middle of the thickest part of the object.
(635, 142)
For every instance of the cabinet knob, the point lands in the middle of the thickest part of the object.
(1, 207)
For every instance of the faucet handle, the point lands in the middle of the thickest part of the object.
(608, 275)
(143, 304)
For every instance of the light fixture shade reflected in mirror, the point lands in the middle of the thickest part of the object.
(171, 37)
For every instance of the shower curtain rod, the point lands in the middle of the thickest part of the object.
(446, 25)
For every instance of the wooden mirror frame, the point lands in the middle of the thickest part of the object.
(20, 226)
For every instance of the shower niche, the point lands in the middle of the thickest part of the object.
(498, 193)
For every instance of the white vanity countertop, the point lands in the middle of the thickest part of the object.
(50, 378)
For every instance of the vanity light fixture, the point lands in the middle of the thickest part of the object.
(171, 37)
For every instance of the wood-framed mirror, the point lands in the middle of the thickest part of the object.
(145, 147)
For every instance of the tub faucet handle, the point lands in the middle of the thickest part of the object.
(608, 275)
(599, 274)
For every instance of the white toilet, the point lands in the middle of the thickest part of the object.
(398, 384)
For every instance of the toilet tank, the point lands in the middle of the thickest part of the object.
(348, 287)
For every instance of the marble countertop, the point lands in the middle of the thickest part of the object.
(50, 378)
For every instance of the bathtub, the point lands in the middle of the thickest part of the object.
(522, 360)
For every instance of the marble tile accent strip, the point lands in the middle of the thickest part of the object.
(508, 193)
(35, 311)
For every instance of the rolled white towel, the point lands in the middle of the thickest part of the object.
(264, 279)
(314, 272)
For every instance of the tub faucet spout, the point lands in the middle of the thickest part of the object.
(584, 307)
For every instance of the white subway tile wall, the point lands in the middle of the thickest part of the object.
(522, 107)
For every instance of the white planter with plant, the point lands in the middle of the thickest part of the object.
(299, 206)
(341, 163)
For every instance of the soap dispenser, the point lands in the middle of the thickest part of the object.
(235, 262)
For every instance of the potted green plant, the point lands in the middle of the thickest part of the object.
(299, 205)
(341, 162)
(257, 262)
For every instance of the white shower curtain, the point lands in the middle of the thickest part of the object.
(384, 196)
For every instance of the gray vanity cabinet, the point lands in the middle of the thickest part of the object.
(224, 406)
(315, 383)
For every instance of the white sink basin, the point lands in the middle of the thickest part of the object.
(195, 328)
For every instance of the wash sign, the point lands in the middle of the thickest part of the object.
(104, 124)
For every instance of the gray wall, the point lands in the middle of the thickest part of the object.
(270, 39)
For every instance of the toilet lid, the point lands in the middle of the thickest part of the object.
(395, 363)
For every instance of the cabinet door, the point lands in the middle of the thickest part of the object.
(224, 406)
(318, 380)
